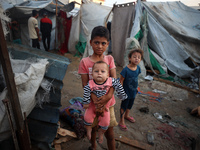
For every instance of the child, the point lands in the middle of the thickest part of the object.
(99, 42)
(100, 85)
(129, 80)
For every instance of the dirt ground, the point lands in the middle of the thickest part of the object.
(168, 120)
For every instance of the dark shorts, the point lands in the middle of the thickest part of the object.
(35, 43)
(127, 104)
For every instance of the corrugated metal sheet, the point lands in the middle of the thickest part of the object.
(43, 121)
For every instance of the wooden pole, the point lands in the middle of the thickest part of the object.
(6, 103)
(56, 23)
(199, 80)
(12, 93)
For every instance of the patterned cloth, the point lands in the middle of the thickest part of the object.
(100, 90)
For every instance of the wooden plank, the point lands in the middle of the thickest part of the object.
(64, 132)
(57, 147)
(199, 80)
(133, 143)
(177, 85)
(156, 71)
(62, 140)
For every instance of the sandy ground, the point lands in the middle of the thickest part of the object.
(172, 127)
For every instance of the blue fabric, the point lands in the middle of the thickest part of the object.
(17, 41)
(130, 83)
(76, 99)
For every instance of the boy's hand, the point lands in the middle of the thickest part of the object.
(100, 111)
(94, 98)
(103, 100)
(85, 106)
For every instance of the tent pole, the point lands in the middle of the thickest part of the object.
(56, 23)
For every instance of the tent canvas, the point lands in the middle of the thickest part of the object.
(182, 22)
(159, 39)
(173, 37)
(21, 12)
(92, 15)
(146, 18)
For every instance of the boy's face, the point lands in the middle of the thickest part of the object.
(135, 58)
(100, 73)
(99, 45)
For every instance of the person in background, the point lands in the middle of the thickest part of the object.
(99, 42)
(16, 33)
(45, 28)
(129, 80)
(34, 30)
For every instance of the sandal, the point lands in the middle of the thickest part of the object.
(131, 119)
(123, 127)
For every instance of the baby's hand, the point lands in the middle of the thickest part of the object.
(85, 106)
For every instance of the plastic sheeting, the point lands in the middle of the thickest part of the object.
(123, 16)
(92, 15)
(28, 77)
(180, 21)
(160, 40)
(74, 33)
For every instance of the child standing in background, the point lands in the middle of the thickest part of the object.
(100, 86)
(129, 80)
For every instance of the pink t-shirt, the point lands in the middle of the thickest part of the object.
(86, 64)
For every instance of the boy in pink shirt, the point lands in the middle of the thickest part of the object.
(99, 42)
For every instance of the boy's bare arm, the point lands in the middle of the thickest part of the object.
(85, 79)
(94, 98)
(113, 73)
(103, 100)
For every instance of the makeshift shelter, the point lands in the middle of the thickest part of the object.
(169, 40)
(169, 30)
(21, 12)
(32, 76)
(90, 15)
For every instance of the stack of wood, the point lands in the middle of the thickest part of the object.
(63, 135)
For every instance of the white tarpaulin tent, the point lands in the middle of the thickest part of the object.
(170, 29)
(167, 39)
(28, 78)
(92, 15)
(180, 21)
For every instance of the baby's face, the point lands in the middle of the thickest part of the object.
(100, 73)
